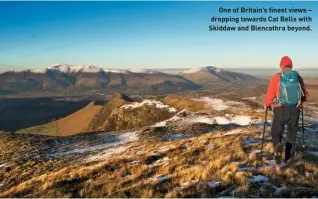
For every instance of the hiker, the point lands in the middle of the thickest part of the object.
(286, 93)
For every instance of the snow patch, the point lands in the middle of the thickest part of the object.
(106, 153)
(234, 132)
(220, 104)
(249, 98)
(122, 139)
(4, 165)
(160, 178)
(157, 104)
(239, 120)
(164, 123)
(216, 104)
(202, 119)
(256, 151)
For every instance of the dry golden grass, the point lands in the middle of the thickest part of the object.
(77, 122)
(69, 125)
(191, 162)
(98, 122)
(184, 102)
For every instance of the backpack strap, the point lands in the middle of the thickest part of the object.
(301, 89)
(276, 100)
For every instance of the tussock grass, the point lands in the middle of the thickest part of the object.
(45, 129)
(191, 162)
(184, 102)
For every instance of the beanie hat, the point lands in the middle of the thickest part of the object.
(286, 61)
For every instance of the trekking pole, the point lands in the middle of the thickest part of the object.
(303, 127)
(263, 138)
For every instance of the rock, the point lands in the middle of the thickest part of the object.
(226, 192)
(247, 169)
(202, 188)
(303, 192)
(214, 184)
(151, 159)
(161, 179)
(259, 179)
(279, 192)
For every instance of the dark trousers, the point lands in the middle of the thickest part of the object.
(285, 115)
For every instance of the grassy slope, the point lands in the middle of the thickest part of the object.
(98, 122)
(204, 158)
(69, 125)
(45, 129)
(184, 102)
(78, 121)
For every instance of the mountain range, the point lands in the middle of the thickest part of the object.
(83, 77)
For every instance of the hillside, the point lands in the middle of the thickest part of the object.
(61, 77)
(312, 88)
(98, 122)
(72, 124)
(313, 81)
(210, 75)
(122, 113)
(196, 152)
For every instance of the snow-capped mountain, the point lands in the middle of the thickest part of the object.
(74, 69)
(204, 69)
(66, 68)
(65, 76)
(211, 74)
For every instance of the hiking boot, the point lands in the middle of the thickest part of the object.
(288, 156)
(279, 148)
(289, 151)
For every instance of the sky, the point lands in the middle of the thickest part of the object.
(146, 35)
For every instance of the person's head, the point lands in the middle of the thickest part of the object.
(286, 62)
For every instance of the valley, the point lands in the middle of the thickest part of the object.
(133, 156)
(194, 143)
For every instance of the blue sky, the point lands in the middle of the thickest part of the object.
(145, 35)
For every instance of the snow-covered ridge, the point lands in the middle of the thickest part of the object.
(140, 70)
(220, 104)
(66, 68)
(74, 69)
(157, 104)
(121, 139)
(204, 69)
(36, 70)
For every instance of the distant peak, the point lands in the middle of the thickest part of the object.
(204, 69)
(141, 70)
(66, 68)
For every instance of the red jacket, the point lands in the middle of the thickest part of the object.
(273, 90)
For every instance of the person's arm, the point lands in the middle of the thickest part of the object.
(303, 88)
(271, 91)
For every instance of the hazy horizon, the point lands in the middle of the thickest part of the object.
(265, 72)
